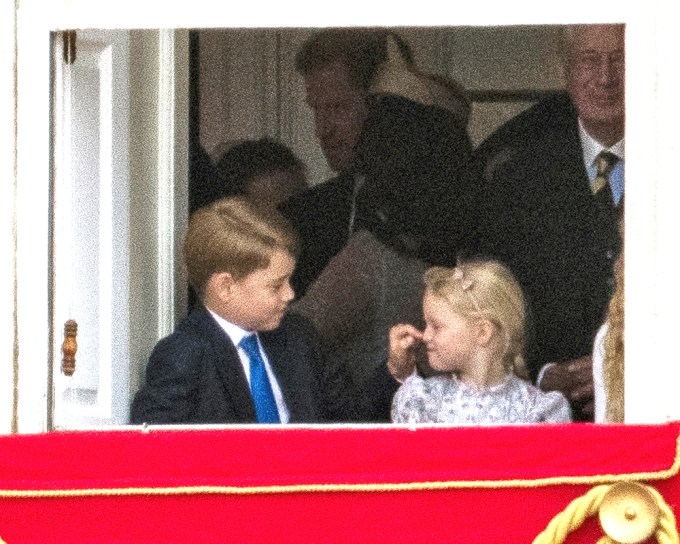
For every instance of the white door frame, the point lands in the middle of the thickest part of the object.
(8, 362)
(165, 212)
(653, 191)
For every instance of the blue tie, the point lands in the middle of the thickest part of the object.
(261, 389)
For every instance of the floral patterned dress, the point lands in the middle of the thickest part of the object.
(445, 399)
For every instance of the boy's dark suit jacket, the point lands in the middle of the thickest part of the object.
(195, 376)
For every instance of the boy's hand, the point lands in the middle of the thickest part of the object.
(405, 343)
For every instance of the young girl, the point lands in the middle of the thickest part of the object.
(474, 335)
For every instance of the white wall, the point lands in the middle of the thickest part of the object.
(7, 194)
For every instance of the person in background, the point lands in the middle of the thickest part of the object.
(474, 335)
(203, 187)
(237, 357)
(264, 170)
(337, 66)
(554, 187)
(608, 354)
(414, 208)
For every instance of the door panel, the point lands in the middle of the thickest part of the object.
(90, 250)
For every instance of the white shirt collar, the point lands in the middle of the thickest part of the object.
(235, 333)
(592, 148)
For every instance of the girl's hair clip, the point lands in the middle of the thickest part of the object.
(458, 274)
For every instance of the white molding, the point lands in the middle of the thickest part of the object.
(7, 213)
(32, 222)
(166, 181)
(173, 122)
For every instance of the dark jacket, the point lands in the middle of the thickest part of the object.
(542, 220)
(320, 216)
(195, 376)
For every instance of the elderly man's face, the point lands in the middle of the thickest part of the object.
(596, 79)
(339, 109)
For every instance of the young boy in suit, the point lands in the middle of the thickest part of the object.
(237, 358)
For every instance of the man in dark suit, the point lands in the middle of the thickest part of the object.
(236, 358)
(338, 66)
(547, 218)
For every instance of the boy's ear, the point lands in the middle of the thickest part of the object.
(222, 285)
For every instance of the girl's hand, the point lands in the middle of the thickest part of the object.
(405, 342)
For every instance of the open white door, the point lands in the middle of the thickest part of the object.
(119, 205)
(90, 252)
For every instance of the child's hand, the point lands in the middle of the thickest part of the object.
(404, 343)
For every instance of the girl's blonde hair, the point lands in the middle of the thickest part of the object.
(486, 289)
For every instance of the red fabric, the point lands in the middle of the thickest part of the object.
(248, 457)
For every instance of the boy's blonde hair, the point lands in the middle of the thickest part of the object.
(486, 289)
(234, 235)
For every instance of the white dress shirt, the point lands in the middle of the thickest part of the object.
(591, 149)
(236, 334)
